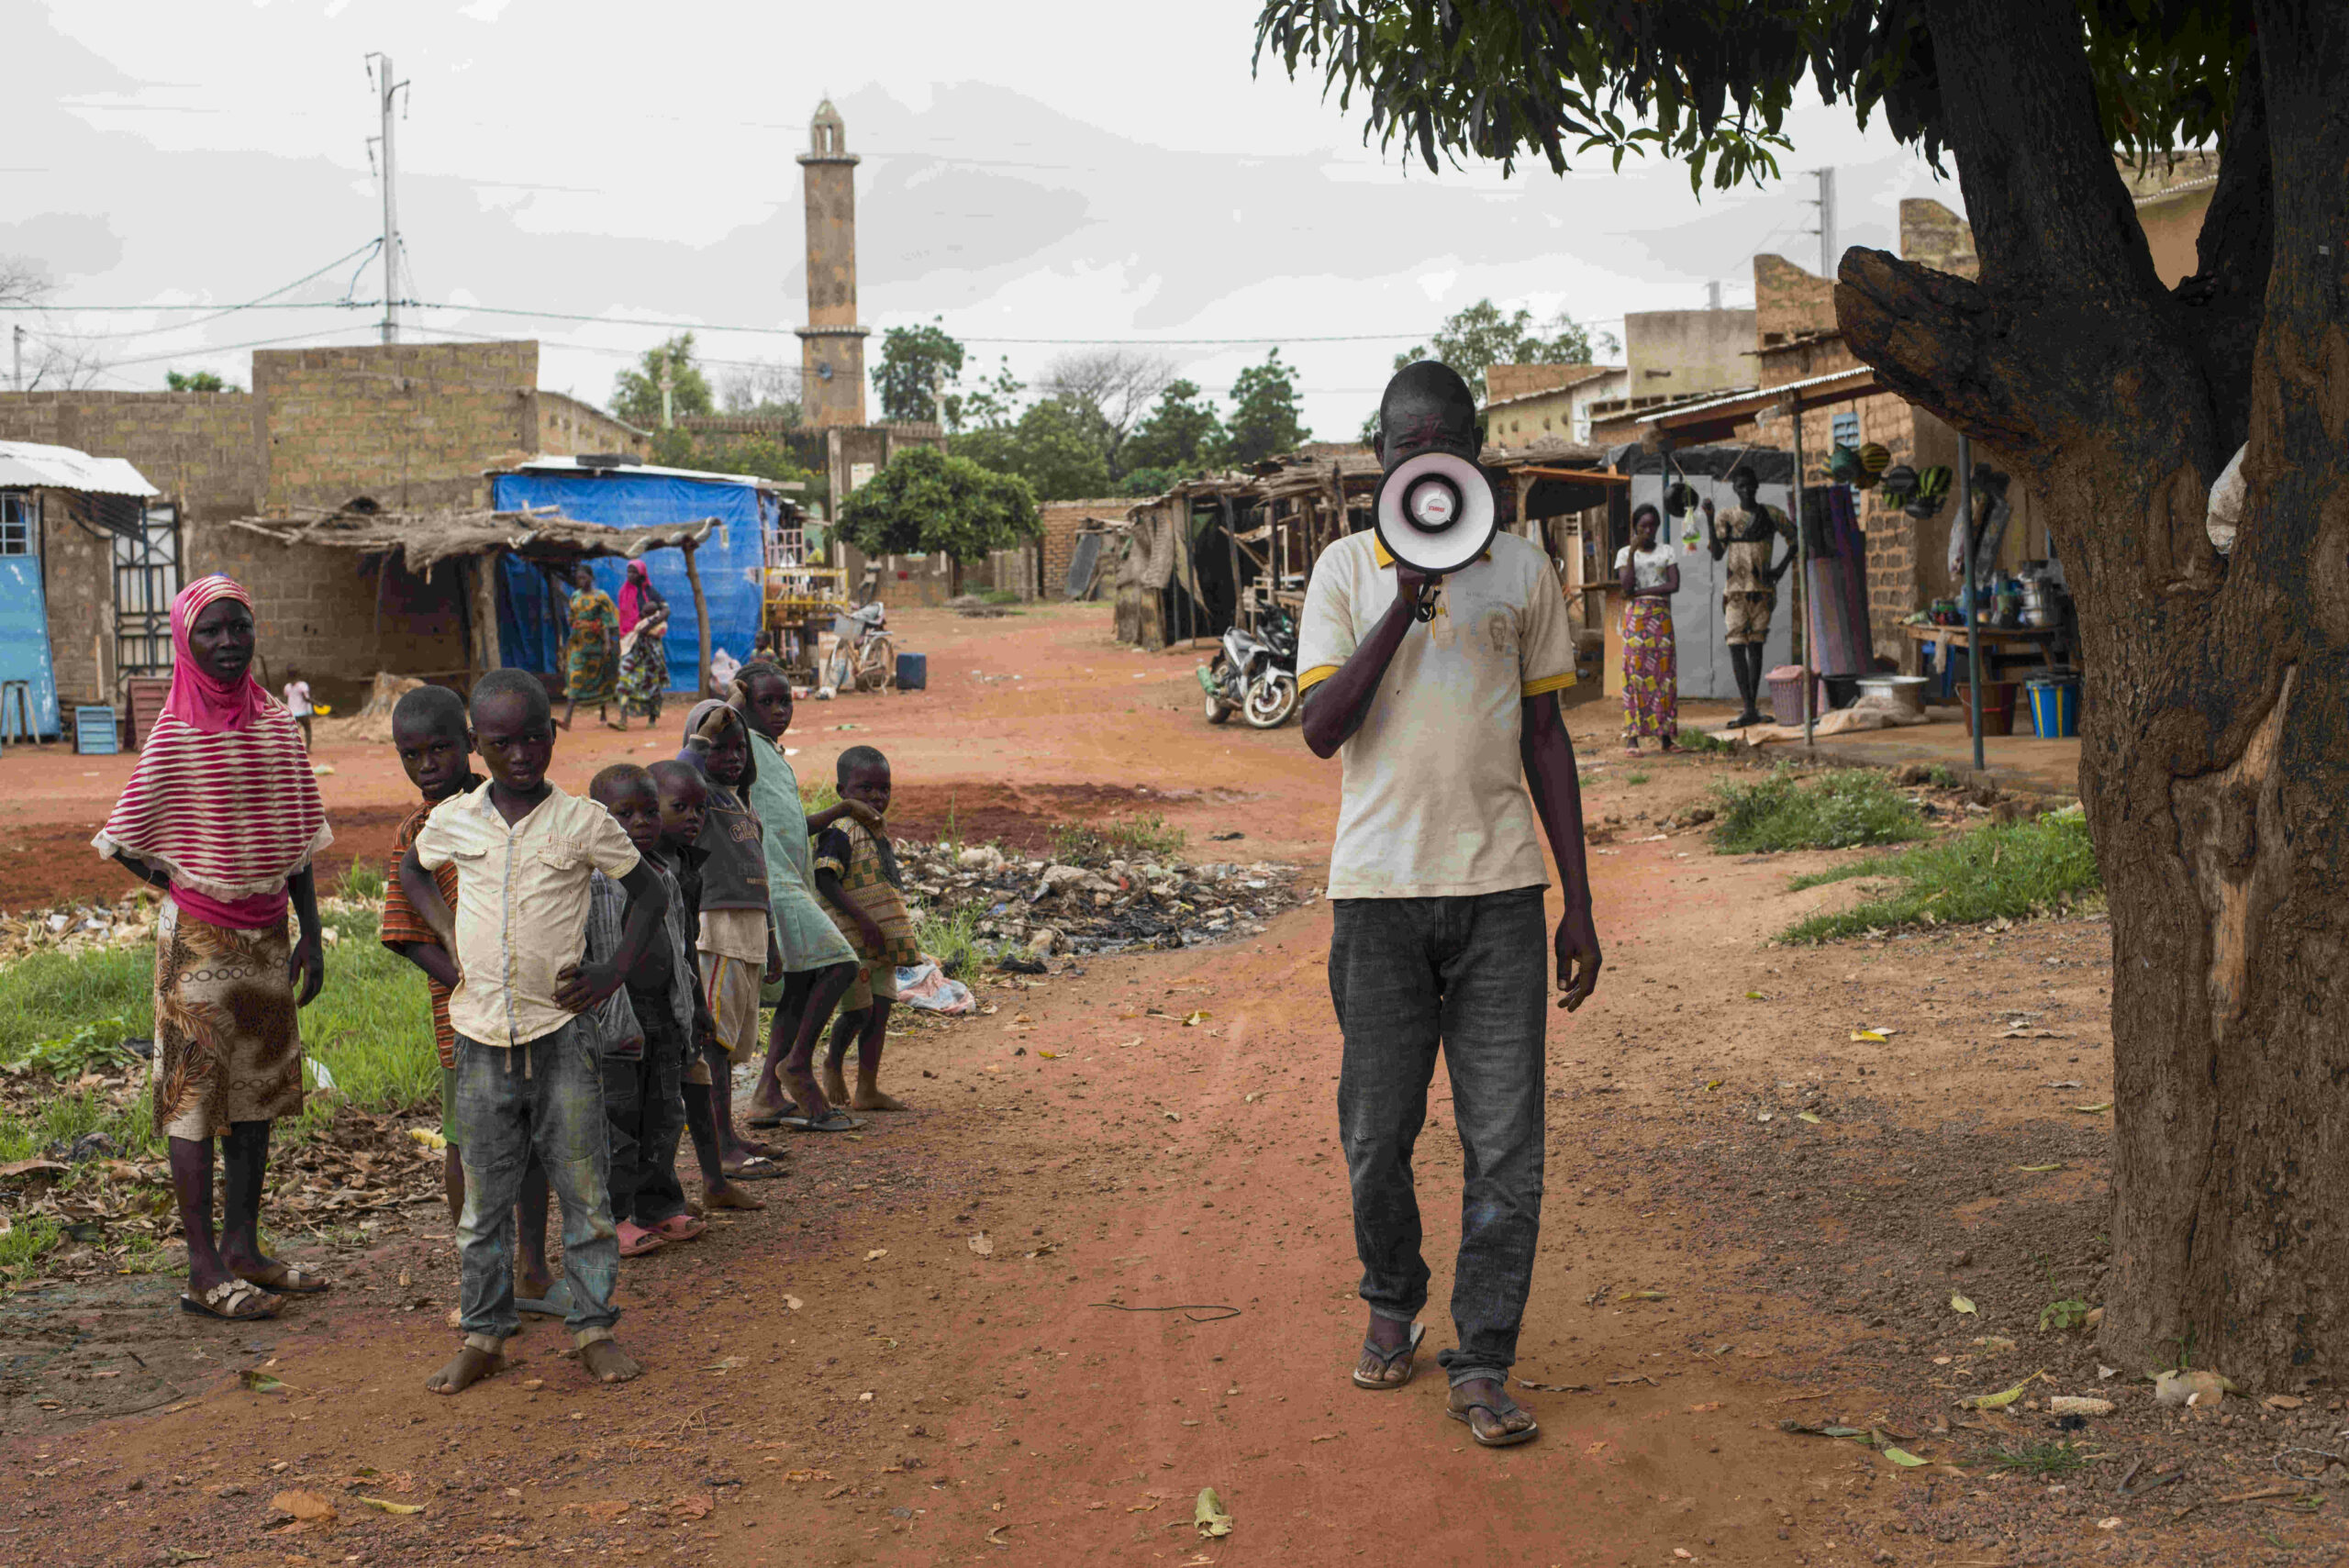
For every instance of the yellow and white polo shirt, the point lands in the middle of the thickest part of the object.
(1434, 803)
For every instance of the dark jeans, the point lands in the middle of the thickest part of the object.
(645, 1112)
(1472, 974)
(545, 1094)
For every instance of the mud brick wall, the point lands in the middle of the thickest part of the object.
(315, 610)
(1063, 520)
(197, 448)
(411, 424)
(1789, 302)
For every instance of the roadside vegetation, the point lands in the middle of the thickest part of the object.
(1841, 810)
(1999, 871)
(1149, 837)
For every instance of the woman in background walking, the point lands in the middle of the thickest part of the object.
(644, 655)
(1649, 576)
(592, 657)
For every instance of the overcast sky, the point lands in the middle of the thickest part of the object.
(1036, 171)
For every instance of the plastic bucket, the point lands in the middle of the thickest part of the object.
(1997, 707)
(2055, 709)
(913, 672)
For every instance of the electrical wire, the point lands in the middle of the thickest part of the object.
(259, 302)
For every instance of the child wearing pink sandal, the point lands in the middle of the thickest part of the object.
(643, 1106)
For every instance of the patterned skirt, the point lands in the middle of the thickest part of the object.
(228, 1034)
(1651, 673)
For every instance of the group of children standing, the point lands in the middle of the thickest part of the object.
(596, 968)
(594, 964)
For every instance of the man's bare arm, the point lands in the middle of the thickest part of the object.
(1335, 708)
(1548, 753)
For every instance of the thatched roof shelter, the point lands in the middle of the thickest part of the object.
(541, 536)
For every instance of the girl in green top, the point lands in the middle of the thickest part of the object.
(818, 965)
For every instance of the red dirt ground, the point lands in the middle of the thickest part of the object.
(846, 1379)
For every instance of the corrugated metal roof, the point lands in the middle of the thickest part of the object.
(1761, 397)
(573, 465)
(28, 463)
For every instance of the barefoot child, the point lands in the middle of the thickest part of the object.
(641, 1103)
(528, 1075)
(684, 803)
(857, 873)
(429, 732)
(222, 814)
(738, 945)
(818, 965)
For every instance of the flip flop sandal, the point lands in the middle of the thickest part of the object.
(766, 1122)
(556, 1303)
(678, 1228)
(1407, 1352)
(233, 1301)
(761, 1151)
(643, 1241)
(757, 1168)
(832, 1120)
(289, 1279)
(1506, 1439)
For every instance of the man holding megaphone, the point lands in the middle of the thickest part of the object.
(1431, 656)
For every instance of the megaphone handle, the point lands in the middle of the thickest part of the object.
(1423, 608)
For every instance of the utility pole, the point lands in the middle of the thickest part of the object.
(1828, 254)
(1713, 294)
(668, 385)
(19, 344)
(379, 66)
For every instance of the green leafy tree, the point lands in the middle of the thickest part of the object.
(197, 381)
(919, 366)
(994, 405)
(1264, 420)
(1474, 340)
(1109, 388)
(1182, 434)
(636, 393)
(927, 501)
(2214, 750)
(1051, 447)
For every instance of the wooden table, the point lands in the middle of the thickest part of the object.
(2021, 646)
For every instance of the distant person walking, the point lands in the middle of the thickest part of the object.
(591, 663)
(1650, 577)
(223, 815)
(1436, 884)
(644, 654)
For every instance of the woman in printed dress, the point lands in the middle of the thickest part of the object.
(592, 657)
(1649, 576)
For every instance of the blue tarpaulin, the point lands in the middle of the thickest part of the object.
(24, 638)
(531, 624)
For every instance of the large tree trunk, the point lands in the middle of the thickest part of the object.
(2215, 765)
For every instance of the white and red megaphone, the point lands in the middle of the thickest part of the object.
(1435, 513)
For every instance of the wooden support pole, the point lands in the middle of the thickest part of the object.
(701, 620)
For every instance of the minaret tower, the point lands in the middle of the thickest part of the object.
(831, 345)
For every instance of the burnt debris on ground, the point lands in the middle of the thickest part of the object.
(1091, 899)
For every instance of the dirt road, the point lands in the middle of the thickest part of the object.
(1107, 1260)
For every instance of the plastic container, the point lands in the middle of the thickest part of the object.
(1998, 706)
(913, 672)
(2055, 709)
(1904, 692)
(1785, 695)
(1842, 690)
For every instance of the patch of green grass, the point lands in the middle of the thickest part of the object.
(1151, 837)
(1700, 742)
(363, 882)
(1637, 778)
(817, 794)
(1001, 597)
(1836, 811)
(1942, 776)
(951, 938)
(1999, 871)
(23, 1242)
(2039, 1459)
(370, 1029)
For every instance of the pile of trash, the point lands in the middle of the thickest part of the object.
(1037, 908)
(73, 927)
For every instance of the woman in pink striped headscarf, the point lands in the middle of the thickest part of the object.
(223, 816)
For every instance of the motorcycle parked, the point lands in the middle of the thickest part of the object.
(864, 660)
(1253, 675)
